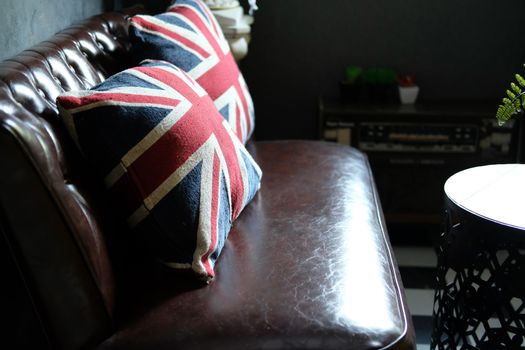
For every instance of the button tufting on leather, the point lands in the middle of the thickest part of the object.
(46, 70)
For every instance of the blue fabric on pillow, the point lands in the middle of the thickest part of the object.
(180, 173)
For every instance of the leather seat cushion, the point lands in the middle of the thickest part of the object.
(307, 265)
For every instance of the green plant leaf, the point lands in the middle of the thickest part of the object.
(520, 80)
(505, 112)
(515, 88)
(514, 102)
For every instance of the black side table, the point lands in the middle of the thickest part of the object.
(480, 297)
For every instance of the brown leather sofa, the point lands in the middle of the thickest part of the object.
(308, 264)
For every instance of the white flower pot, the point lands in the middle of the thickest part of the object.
(408, 94)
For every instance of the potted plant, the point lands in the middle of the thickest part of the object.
(370, 85)
(408, 90)
(380, 85)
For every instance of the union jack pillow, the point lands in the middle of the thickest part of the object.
(179, 172)
(189, 36)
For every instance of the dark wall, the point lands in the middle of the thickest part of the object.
(27, 22)
(150, 6)
(456, 49)
(467, 49)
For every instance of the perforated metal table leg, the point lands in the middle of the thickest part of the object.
(479, 301)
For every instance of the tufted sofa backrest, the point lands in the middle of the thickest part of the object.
(50, 214)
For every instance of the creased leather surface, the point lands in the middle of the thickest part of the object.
(306, 266)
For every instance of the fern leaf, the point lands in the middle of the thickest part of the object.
(505, 112)
(515, 88)
(514, 102)
(502, 115)
(520, 80)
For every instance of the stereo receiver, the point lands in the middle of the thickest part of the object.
(417, 137)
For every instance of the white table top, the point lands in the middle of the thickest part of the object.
(494, 192)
